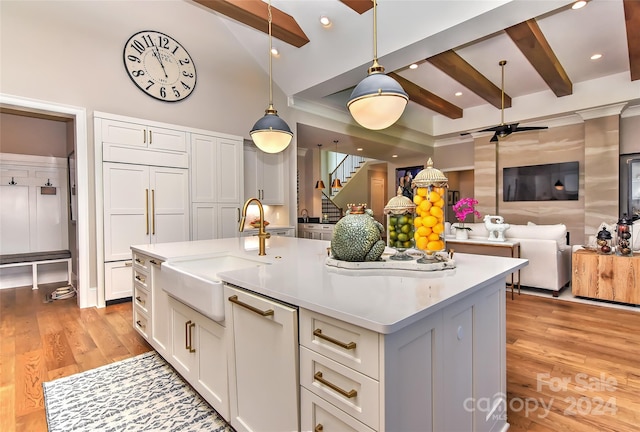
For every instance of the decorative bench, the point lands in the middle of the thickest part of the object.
(33, 259)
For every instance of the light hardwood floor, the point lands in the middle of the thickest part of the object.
(570, 366)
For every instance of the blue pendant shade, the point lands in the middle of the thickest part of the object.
(377, 101)
(271, 134)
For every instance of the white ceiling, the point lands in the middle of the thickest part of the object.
(318, 77)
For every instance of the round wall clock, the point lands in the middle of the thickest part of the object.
(159, 66)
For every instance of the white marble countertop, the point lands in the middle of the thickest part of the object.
(384, 300)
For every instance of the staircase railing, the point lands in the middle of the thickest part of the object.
(345, 169)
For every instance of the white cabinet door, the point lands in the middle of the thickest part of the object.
(229, 171)
(198, 352)
(264, 176)
(212, 221)
(126, 209)
(204, 161)
(139, 135)
(118, 280)
(263, 362)
(228, 220)
(169, 209)
(160, 310)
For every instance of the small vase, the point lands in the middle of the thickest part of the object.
(462, 234)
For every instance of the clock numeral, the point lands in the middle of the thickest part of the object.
(133, 58)
(186, 87)
(151, 83)
(163, 92)
(187, 74)
(176, 93)
(137, 45)
(163, 42)
(184, 62)
(137, 73)
(147, 40)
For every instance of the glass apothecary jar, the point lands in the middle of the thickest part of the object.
(624, 234)
(430, 197)
(400, 225)
(604, 241)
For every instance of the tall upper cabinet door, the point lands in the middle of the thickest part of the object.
(126, 209)
(169, 204)
(217, 169)
(272, 165)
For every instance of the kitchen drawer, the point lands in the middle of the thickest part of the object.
(352, 392)
(141, 322)
(141, 298)
(345, 343)
(140, 278)
(141, 262)
(319, 415)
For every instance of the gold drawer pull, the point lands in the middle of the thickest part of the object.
(191, 348)
(139, 299)
(128, 264)
(141, 278)
(234, 299)
(186, 335)
(154, 262)
(348, 394)
(318, 428)
(349, 346)
(139, 324)
(140, 261)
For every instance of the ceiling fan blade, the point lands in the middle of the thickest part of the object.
(529, 128)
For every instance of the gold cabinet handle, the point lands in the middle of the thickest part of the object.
(318, 428)
(141, 278)
(144, 136)
(187, 346)
(155, 262)
(139, 324)
(150, 137)
(128, 264)
(153, 211)
(191, 348)
(140, 261)
(146, 209)
(348, 345)
(234, 299)
(348, 394)
(139, 299)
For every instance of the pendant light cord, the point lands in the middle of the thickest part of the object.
(502, 63)
(375, 32)
(270, 57)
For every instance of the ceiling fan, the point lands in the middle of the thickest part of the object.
(503, 130)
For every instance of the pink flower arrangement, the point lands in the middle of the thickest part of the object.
(464, 208)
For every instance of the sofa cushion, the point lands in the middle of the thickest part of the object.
(557, 232)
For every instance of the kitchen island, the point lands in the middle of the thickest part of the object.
(394, 350)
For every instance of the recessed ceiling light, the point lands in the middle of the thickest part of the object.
(596, 56)
(413, 66)
(458, 93)
(325, 21)
(274, 52)
(394, 156)
(359, 149)
(579, 4)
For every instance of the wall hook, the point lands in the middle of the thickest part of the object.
(48, 183)
(12, 182)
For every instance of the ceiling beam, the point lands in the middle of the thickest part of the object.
(632, 21)
(529, 39)
(360, 6)
(254, 14)
(427, 99)
(457, 68)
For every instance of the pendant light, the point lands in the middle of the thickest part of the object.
(319, 183)
(378, 101)
(336, 184)
(271, 134)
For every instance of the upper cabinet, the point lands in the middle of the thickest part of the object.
(264, 176)
(216, 165)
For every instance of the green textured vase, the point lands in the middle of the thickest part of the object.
(357, 237)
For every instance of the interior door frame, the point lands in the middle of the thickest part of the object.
(87, 295)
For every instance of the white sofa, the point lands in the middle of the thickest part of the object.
(543, 245)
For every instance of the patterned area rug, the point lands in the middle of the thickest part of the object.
(142, 393)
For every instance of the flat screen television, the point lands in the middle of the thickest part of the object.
(549, 182)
